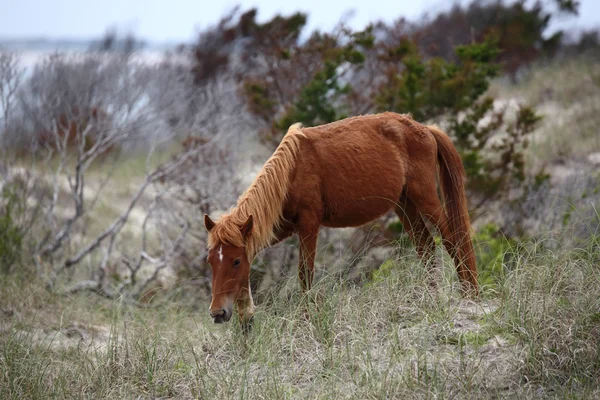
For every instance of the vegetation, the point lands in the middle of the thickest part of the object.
(11, 237)
(103, 280)
(333, 75)
(537, 333)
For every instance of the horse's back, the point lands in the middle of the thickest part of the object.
(356, 168)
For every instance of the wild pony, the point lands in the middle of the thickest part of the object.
(343, 174)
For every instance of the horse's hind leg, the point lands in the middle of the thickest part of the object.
(423, 193)
(419, 234)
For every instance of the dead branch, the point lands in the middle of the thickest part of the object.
(11, 75)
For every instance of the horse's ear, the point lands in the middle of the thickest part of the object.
(208, 223)
(247, 227)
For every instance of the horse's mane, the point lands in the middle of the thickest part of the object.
(263, 200)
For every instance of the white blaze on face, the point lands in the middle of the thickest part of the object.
(221, 253)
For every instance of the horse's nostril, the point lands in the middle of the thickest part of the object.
(218, 313)
(218, 319)
(218, 316)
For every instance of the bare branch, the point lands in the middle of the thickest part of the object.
(10, 78)
(118, 223)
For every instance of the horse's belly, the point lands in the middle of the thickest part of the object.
(358, 214)
(356, 200)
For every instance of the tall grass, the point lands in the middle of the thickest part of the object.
(567, 94)
(536, 334)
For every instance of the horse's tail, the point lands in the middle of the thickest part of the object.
(452, 180)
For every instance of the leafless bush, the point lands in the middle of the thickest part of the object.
(75, 109)
(202, 175)
(77, 112)
(11, 75)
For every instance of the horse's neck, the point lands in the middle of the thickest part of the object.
(263, 231)
(266, 197)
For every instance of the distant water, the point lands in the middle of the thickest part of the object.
(30, 57)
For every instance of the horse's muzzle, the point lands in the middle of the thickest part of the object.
(220, 315)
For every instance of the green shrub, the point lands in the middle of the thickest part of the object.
(384, 271)
(493, 251)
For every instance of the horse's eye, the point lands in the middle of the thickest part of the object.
(237, 262)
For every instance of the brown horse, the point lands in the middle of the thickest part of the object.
(342, 174)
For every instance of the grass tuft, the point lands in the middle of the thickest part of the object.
(537, 333)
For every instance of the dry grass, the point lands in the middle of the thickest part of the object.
(537, 335)
(567, 94)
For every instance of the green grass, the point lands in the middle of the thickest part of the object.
(536, 334)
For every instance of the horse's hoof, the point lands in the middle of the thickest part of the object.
(306, 316)
(247, 325)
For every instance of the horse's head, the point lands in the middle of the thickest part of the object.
(230, 268)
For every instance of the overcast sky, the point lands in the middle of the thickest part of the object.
(180, 20)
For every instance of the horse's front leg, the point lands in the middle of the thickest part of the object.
(308, 247)
(245, 309)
